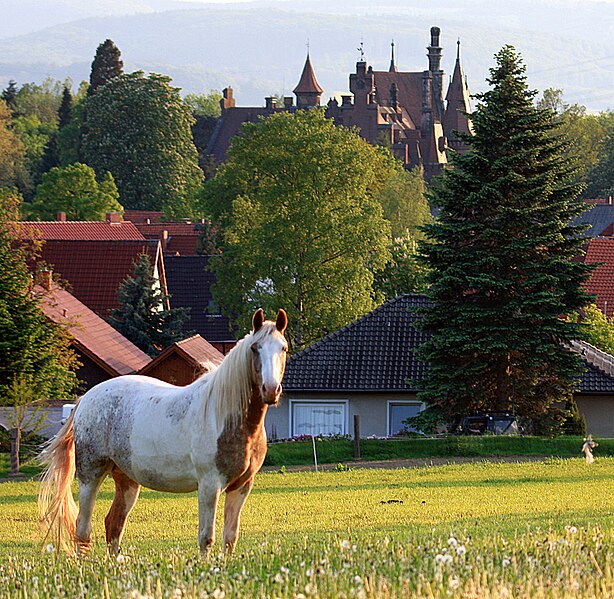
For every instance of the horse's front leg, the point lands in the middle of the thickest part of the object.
(208, 495)
(232, 513)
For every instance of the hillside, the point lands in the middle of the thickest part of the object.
(259, 48)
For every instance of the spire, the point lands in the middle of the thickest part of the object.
(308, 90)
(393, 66)
(457, 98)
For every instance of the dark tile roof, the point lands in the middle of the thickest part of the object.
(599, 217)
(182, 237)
(376, 353)
(373, 353)
(189, 284)
(599, 376)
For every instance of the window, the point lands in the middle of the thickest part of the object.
(399, 411)
(318, 418)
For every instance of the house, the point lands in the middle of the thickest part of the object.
(189, 285)
(600, 251)
(405, 111)
(184, 361)
(95, 258)
(369, 368)
(103, 352)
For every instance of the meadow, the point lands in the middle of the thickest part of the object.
(541, 529)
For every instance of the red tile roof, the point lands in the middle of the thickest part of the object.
(195, 350)
(92, 335)
(82, 230)
(94, 270)
(182, 237)
(142, 216)
(308, 83)
(601, 283)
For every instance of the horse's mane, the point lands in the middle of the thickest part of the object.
(228, 387)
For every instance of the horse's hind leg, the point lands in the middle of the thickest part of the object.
(232, 514)
(126, 494)
(89, 485)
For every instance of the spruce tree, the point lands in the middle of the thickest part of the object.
(501, 259)
(107, 65)
(65, 110)
(142, 316)
(9, 95)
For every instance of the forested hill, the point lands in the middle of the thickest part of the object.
(259, 48)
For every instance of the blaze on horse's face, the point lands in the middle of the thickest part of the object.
(269, 356)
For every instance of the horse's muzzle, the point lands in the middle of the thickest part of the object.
(271, 394)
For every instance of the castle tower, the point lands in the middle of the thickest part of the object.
(308, 90)
(456, 116)
(362, 84)
(436, 74)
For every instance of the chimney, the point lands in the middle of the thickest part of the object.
(60, 217)
(271, 103)
(228, 100)
(45, 278)
(114, 217)
(164, 240)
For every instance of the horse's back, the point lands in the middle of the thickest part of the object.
(141, 424)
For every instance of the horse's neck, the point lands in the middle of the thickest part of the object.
(256, 412)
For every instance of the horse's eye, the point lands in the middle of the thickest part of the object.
(254, 348)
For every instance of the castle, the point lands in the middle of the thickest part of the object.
(404, 111)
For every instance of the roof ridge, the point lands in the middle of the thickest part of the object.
(597, 357)
(353, 323)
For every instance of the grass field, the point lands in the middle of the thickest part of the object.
(541, 529)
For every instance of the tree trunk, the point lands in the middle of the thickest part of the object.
(15, 442)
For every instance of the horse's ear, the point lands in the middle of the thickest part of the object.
(258, 320)
(282, 321)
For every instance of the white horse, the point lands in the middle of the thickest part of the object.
(208, 436)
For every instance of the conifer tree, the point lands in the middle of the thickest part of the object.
(107, 64)
(501, 263)
(9, 95)
(65, 110)
(142, 316)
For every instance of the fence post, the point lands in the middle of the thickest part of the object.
(15, 439)
(356, 437)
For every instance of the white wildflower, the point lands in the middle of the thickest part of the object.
(447, 559)
(345, 544)
(453, 583)
(218, 594)
(452, 542)
(284, 570)
(121, 558)
(177, 594)
(50, 548)
(278, 577)
(357, 580)
(506, 562)
(461, 550)
(439, 559)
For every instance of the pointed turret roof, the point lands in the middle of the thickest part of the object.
(308, 83)
(458, 92)
(393, 65)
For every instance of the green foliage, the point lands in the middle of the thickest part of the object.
(574, 423)
(303, 229)
(69, 136)
(9, 94)
(75, 191)
(31, 347)
(205, 104)
(107, 65)
(143, 316)
(12, 152)
(501, 259)
(41, 101)
(138, 129)
(601, 176)
(599, 329)
(583, 132)
(65, 109)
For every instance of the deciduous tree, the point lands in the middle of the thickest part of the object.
(501, 259)
(138, 129)
(303, 227)
(75, 191)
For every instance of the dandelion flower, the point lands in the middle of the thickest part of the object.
(452, 542)
(461, 550)
(453, 583)
(121, 558)
(50, 548)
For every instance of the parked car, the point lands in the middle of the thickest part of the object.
(493, 423)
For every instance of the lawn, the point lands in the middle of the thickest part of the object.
(499, 530)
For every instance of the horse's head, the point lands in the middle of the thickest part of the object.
(268, 350)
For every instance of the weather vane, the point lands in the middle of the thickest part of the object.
(361, 49)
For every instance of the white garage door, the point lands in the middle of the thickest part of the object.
(314, 418)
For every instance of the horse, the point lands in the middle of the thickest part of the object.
(208, 436)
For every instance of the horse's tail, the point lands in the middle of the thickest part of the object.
(56, 505)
